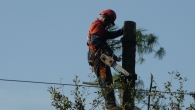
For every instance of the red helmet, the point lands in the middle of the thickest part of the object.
(109, 13)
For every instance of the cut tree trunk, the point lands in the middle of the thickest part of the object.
(128, 63)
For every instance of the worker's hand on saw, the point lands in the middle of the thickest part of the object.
(116, 58)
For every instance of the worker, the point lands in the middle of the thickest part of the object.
(97, 37)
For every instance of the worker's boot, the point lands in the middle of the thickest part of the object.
(115, 108)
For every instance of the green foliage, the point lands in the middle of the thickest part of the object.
(176, 98)
(145, 44)
(62, 102)
(167, 99)
(160, 100)
(139, 86)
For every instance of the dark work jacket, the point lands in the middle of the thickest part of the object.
(98, 36)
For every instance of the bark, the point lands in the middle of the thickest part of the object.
(128, 63)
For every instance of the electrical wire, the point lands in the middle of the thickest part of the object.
(42, 82)
(22, 81)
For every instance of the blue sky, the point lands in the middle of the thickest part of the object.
(45, 40)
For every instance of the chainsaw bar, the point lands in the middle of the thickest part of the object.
(109, 61)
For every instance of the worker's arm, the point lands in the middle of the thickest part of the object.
(99, 43)
(114, 34)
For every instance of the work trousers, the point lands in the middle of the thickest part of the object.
(104, 76)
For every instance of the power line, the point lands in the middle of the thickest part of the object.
(140, 90)
(9, 80)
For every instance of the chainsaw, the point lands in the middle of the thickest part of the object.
(109, 61)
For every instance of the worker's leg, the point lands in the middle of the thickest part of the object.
(104, 75)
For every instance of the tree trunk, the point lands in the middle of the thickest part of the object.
(128, 63)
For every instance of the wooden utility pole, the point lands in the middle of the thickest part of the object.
(128, 63)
